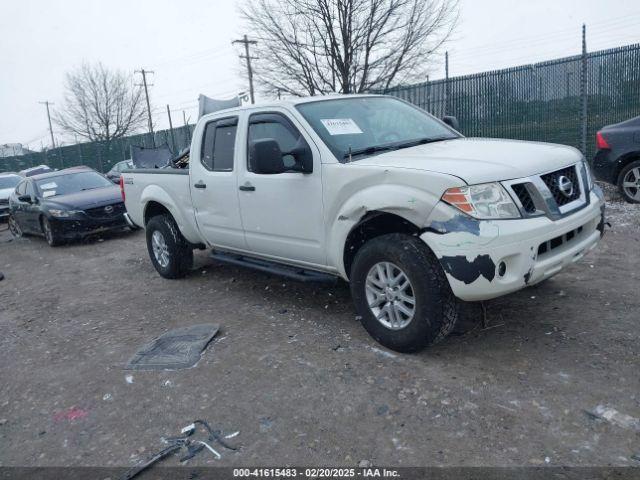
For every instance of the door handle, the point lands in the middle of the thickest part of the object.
(200, 184)
(247, 187)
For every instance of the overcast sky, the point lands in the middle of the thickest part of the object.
(188, 45)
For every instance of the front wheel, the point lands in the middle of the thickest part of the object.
(629, 182)
(402, 293)
(14, 227)
(170, 253)
(49, 234)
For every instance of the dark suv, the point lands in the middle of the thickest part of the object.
(617, 160)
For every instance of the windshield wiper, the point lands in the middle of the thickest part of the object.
(394, 146)
(368, 151)
(421, 141)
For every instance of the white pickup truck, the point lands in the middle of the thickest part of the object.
(375, 191)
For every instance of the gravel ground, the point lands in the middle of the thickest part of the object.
(294, 372)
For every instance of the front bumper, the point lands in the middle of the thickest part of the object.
(488, 259)
(75, 228)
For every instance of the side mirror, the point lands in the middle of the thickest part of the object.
(451, 121)
(266, 157)
(25, 199)
(303, 157)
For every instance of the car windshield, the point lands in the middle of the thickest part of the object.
(360, 126)
(9, 181)
(71, 183)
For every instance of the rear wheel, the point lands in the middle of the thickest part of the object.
(402, 293)
(629, 182)
(171, 254)
(14, 228)
(49, 234)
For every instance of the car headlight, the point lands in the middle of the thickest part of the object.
(63, 213)
(485, 201)
(587, 174)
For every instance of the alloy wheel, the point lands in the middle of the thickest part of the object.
(14, 228)
(631, 184)
(160, 249)
(390, 295)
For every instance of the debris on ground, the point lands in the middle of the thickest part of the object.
(187, 441)
(73, 413)
(1, 276)
(175, 349)
(615, 417)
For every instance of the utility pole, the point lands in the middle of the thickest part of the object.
(446, 85)
(248, 57)
(173, 139)
(47, 103)
(146, 93)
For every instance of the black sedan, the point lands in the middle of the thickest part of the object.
(65, 205)
(617, 160)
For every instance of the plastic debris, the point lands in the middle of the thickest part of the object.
(615, 417)
(129, 378)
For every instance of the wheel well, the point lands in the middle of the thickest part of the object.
(372, 225)
(153, 209)
(623, 162)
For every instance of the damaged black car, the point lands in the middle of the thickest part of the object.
(66, 205)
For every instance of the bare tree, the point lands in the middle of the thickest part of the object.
(101, 104)
(310, 47)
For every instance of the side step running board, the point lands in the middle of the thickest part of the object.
(294, 273)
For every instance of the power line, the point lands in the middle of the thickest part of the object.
(248, 57)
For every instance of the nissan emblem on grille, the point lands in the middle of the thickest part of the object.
(565, 185)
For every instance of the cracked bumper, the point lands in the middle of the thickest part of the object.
(498, 257)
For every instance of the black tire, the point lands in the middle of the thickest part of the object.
(179, 251)
(49, 233)
(436, 308)
(14, 227)
(632, 196)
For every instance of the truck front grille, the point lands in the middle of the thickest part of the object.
(557, 184)
(520, 189)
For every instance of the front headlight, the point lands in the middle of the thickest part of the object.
(63, 213)
(587, 174)
(485, 201)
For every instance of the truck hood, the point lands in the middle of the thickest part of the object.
(479, 160)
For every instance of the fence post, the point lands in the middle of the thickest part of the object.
(583, 93)
(446, 83)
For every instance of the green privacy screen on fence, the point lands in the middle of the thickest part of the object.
(98, 155)
(540, 102)
(532, 102)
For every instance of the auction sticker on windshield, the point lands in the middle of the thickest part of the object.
(341, 126)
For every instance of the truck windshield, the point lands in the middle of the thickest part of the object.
(356, 127)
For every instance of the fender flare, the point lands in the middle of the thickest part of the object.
(412, 204)
(153, 193)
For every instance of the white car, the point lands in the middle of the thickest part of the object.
(8, 183)
(379, 193)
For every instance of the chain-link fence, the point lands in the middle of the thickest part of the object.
(540, 102)
(543, 102)
(99, 155)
